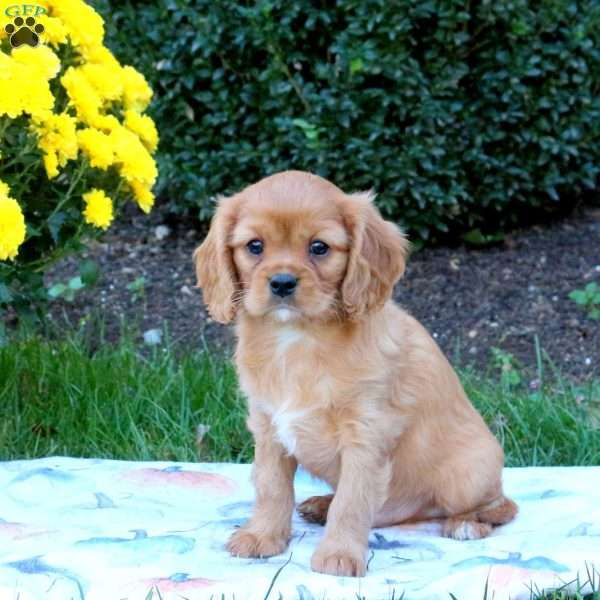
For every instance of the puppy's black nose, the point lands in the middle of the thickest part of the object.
(283, 284)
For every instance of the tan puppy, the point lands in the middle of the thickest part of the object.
(340, 379)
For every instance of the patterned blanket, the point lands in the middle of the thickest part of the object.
(101, 529)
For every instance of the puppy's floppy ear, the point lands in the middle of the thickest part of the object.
(377, 257)
(214, 265)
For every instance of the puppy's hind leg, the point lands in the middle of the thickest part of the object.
(500, 511)
(315, 509)
(479, 523)
(465, 527)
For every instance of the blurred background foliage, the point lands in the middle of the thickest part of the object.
(467, 118)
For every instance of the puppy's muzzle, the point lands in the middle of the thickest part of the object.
(283, 284)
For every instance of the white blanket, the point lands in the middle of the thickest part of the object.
(110, 530)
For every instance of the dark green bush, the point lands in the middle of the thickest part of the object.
(460, 115)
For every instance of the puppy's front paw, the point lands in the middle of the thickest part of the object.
(247, 544)
(339, 560)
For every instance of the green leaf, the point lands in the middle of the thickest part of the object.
(137, 285)
(33, 231)
(76, 284)
(302, 123)
(5, 293)
(356, 65)
(89, 272)
(55, 222)
(551, 190)
(477, 238)
(57, 290)
(578, 296)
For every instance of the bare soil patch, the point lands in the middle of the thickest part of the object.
(470, 299)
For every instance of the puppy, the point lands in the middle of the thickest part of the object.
(340, 379)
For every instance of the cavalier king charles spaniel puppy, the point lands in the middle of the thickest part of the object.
(339, 379)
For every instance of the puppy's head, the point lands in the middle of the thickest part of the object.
(294, 246)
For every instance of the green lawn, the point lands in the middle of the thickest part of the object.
(73, 397)
(63, 398)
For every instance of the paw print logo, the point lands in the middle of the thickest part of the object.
(24, 32)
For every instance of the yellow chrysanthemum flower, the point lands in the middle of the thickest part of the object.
(55, 32)
(9, 102)
(82, 94)
(105, 79)
(137, 93)
(84, 24)
(100, 55)
(99, 209)
(23, 85)
(135, 162)
(58, 139)
(143, 196)
(105, 123)
(144, 127)
(12, 225)
(51, 165)
(97, 147)
(40, 59)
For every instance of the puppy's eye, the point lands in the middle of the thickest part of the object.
(318, 248)
(255, 247)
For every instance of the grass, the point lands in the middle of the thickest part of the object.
(65, 397)
(556, 424)
(71, 396)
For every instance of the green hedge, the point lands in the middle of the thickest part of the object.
(460, 118)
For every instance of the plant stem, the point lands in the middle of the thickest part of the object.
(76, 179)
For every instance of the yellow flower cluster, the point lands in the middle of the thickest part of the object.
(57, 137)
(83, 24)
(144, 127)
(103, 118)
(95, 87)
(24, 81)
(97, 146)
(98, 208)
(55, 31)
(12, 224)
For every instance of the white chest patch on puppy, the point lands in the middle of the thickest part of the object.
(284, 419)
(286, 337)
(283, 422)
(289, 370)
